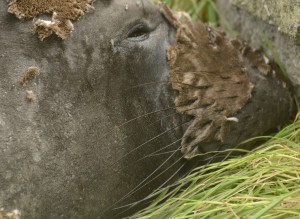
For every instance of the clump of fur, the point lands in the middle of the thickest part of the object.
(29, 75)
(63, 11)
(209, 75)
(30, 96)
(212, 75)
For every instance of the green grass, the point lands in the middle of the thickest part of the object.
(263, 184)
(203, 10)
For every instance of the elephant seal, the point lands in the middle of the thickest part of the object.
(88, 125)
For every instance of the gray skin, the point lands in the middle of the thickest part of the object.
(81, 148)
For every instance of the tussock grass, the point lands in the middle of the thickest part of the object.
(263, 184)
(203, 10)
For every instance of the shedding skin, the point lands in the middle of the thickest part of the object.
(62, 13)
(214, 79)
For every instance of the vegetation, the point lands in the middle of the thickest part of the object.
(204, 10)
(263, 184)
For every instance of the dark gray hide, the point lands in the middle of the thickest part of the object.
(65, 155)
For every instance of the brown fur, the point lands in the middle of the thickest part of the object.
(29, 75)
(63, 12)
(209, 72)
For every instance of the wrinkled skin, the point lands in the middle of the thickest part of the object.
(81, 147)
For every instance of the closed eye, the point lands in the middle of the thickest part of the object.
(139, 32)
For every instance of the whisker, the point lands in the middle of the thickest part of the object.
(150, 140)
(149, 83)
(211, 159)
(134, 119)
(135, 189)
(149, 182)
(167, 152)
(171, 177)
(162, 82)
(131, 205)
(147, 114)
(159, 120)
(189, 172)
(156, 121)
(149, 155)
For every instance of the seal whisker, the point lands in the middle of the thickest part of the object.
(160, 82)
(174, 174)
(156, 121)
(132, 120)
(148, 83)
(162, 153)
(144, 115)
(155, 137)
(169, 145)
(131, 205)
(141, 185)
(150, 140)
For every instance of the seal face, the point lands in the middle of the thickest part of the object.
(102, 131)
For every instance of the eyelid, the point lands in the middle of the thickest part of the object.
(141, 30)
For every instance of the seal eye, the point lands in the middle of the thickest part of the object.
(139, 32)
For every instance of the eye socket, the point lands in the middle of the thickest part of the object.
(139, 32)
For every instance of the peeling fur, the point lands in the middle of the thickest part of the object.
(62, 14)
(197, 62)
(210, 74)
(29, 75)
